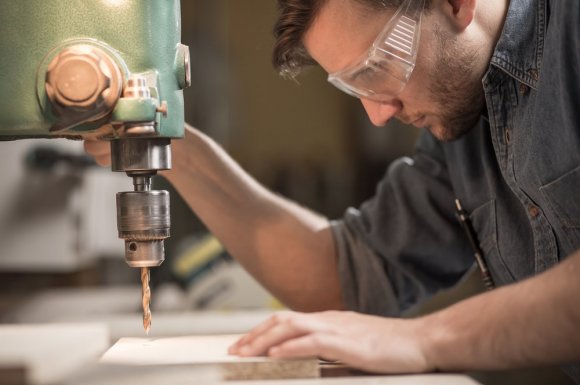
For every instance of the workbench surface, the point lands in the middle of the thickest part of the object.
(38, 354)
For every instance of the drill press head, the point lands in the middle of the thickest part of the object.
(103, 69)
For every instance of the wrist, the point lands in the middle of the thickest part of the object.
(437, 337)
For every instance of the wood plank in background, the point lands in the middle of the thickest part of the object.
(46, 354)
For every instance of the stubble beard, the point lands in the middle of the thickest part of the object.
(456, 89)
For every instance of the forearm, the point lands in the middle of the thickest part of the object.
(287, 248)
(535, 322)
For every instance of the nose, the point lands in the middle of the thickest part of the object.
(381, 112)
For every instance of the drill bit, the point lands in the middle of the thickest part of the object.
(146, 293)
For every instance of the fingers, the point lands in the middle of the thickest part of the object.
(100, 150)
(298, 335)
(323, 345)
(260, 345)
(96, 147)
(257, 331)
(276, 330)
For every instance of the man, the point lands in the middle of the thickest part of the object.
(496, 86)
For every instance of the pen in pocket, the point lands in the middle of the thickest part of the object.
(472, 236)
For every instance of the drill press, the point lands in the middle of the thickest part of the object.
(104, 69)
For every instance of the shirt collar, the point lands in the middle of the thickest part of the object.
(519, 49)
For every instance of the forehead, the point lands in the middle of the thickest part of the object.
(342, 32)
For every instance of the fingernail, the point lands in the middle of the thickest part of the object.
(244, 351)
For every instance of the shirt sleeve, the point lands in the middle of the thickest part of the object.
(405, 243)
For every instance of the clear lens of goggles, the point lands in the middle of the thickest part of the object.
(388, 65)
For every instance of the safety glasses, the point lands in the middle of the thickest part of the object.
(386, 68)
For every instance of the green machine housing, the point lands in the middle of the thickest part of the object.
(106, 69)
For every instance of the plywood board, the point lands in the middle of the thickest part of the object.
(206, 350)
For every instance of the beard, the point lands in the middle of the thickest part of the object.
(457, 89)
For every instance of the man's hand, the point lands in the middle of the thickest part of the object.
(530, 323)
(100, 150)
(365, 342)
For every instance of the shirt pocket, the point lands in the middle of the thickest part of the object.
(562, 197)
(484, 220)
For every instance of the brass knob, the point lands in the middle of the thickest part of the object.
(83, 78)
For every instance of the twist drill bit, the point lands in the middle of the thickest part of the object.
(146, 293)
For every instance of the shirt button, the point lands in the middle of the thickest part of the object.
(524, 88)
(507, 135)
(534, 74)
(533, 211)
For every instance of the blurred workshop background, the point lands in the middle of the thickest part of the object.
(60, 257)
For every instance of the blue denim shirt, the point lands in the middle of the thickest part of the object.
(517, 173)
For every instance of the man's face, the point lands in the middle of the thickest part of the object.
(444, 93)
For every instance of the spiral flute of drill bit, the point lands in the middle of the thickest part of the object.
(146, 293)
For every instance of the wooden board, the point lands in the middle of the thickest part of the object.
(206, 350)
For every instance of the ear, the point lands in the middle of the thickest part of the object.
(460, 12)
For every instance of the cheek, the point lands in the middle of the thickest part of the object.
(425, 66)
(415, 96)
(417, 89)
(423, 73)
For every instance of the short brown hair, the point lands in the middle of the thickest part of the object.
(295, 18)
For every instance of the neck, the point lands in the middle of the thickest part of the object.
(490, 16)
(485, 30)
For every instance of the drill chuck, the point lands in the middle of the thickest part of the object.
(143, 221)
